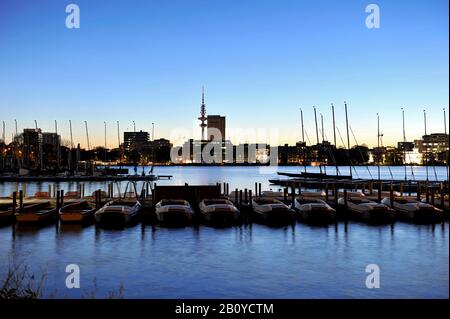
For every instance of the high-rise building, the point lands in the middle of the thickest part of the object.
(434, 147)
(405, 146)
(32, 146)
(135, 140)
(216, 122)
(52, 139)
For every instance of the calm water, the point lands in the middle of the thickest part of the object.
(238, 262)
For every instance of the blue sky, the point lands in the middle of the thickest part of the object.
(259, 61)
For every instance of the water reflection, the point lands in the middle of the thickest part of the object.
(245, 261)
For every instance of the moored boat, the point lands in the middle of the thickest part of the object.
(369, 211)
(314, 210)
(272, 211)
(77, 212)
(37, 213)
(174, 212)
(219, 211)
(119, 213)
(6, 213)
(410, 209)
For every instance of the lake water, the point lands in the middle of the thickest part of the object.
(248, 261)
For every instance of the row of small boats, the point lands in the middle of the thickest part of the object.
(274, 208)
(270, 208)
(115, 212)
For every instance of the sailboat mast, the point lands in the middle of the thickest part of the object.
(58, 145)
(379, 151)
(323, 144)
(3, 133)
(425, 126)
(87, 136)
(317, 138)
(348, 139)
(317, 130)
(303, 129)
(118, 134)
(334, 135)
(404, 141)
(118, 141)
(71, 136)
(445, 132)
(303, 139)
(445, 122)
(323, 134)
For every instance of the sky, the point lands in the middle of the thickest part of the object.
(259, 60)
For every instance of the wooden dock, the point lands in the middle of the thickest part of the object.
(82, 178)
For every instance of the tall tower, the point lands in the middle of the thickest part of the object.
(202, 117)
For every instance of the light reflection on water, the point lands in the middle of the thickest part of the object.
(236, 176)
(248, 261)
(240, 262)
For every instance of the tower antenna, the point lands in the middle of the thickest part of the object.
(202, 117)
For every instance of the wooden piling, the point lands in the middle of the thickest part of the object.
(259, 189)
(442, 196)
(409, 188)
(250, 196)
(14, 203)
(345, 199)
(240, 198)
(326, 192)
(401, 189)
(299, 189)
(21, 199)
(419, 190)
(285, 193)
(433, 191)
(62, 198)
(371, 188)
(391, 195)
(245, 195)
(292, 195)
(96, 200)
(100, 198)
(427, 194)
(380, 189)
(57, 201)
(336, 195)
(256, 187)
(236, 196)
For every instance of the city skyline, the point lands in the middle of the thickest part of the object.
(150, 66)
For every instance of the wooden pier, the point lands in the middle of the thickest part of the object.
(82, 178)
(436, 194)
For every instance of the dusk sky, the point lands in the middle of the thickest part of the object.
(259, 60)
